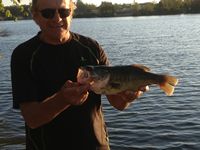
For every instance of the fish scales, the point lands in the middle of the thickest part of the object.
(113, 79)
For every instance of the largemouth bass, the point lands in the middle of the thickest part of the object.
(110, 80)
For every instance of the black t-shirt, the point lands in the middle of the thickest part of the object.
(39, 70)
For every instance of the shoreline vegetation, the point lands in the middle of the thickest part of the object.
(108, 9)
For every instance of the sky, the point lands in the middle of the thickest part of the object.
(96, 2)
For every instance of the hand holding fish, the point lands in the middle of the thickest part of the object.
(129, 96)
(75, 93)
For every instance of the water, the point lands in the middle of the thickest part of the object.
(167, 44)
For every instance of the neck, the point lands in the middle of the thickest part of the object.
(55, 40)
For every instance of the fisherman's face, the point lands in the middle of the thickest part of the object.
(53, 19)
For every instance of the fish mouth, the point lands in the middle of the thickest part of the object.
(83, 76)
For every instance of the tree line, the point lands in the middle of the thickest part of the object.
(108, 9)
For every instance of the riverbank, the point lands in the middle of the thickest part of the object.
(108, 9)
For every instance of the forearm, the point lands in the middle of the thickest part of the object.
(39, 113)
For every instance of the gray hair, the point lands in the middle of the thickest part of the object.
(34, 6)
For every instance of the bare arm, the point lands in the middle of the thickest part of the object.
(39, 113)
(122, 100)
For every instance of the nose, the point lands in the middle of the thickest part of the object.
(57, 16)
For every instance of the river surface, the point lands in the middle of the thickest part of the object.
(166, 44)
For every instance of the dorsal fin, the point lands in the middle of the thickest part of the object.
(141, 67)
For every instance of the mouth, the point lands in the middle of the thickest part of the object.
(57, 26)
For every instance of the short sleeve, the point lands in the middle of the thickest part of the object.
(103, 59)
(23, 84)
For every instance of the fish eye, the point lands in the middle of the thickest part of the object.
(89, 68)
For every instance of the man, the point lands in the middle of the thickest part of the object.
(60, 113)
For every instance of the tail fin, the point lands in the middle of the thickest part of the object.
(168, 85)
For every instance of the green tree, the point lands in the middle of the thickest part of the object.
(148, 9)
(8, 13)
(136, 9)
(170, 6)
(85, 10)
(187, 6)
(195, 6)
(106, 9)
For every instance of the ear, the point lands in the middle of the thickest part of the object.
(35, 16)
(73, 7)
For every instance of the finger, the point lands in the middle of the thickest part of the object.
(139, 93)
(68, 84)
(83, 99)
(83, 89)
(144, 89)
(85, 96)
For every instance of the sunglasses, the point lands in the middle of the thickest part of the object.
(49, 13)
